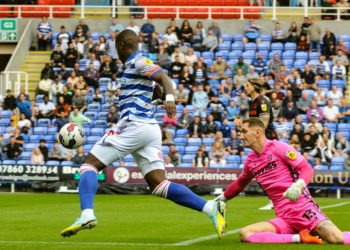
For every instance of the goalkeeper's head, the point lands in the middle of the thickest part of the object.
(253, 133)
(253, 87)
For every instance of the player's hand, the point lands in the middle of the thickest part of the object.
(170, 108)
(294, 191)
(221, 197)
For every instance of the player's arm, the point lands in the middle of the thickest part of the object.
(163, 80)
(294, 159)
(264, 111)
(237, 186)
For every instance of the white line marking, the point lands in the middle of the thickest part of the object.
(336, 205)
(84, 243)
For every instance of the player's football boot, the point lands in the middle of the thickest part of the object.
(83, 222)
(218, 217)
(307, 238)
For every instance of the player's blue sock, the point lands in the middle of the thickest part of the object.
(179, 194)
(87, 186)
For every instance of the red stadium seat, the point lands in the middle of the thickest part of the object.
(243, 3)
(168, 2)
(153, 13)
(253, 13)
(205, 2)
(167, 13)
(44, 2)
(62, 12)
(182, 3)
(230, 13)
(156, 3)
(7, 12)
(35, 11)
(216, 13)
(62, 2)
(202, 13)
(189, 13)
(145, 2)
(230, 2)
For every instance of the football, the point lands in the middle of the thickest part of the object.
(71, 136)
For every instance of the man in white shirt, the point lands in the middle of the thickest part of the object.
(115, 26)
(335, 94)
(44, 85)
(331, 112)
(133, 27)
(339, 71)
(178, 52)
(92, 59)
(46, 109)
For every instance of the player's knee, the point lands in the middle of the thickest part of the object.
(245, 233)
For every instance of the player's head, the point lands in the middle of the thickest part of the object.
(253, 85)
(252, 132)
(126, 43)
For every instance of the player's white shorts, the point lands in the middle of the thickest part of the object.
(142, 140)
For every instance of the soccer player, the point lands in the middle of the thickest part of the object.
(260, 107)
(283, 173)
(138, 133)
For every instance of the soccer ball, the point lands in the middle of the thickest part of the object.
(71, 136)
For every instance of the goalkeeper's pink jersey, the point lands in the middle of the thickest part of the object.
(276, 169)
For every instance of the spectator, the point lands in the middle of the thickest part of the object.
(331, 112)
(232, 110)
(97, 97)
(115, 26)
(80, 38)
(110, 47)
(282, 128)
(85, 28)
(163, 59)
(167, 138)
(202, 31)
(314, 111)
(303, 103)
(197, 40)
(214, 26)
(73, 78)
(46, 109)
(80, 157)
(323, 153)
(171, 37)
(107, 69)
(153, 45)
(12, 149)
(174, 155)
(341, 46)
(217, 108)
(57, 57)
(330, 51)
(235, 146)
(44, 85)
(190, 56)
(56, 153)
(92, 75)
(167, 162)
(322, 68)
(185, 119)
(298, 131)
(196, 128)
(132, 26)
(259, 63)
(178, 53)
(276, 108)
(225, 129)
(210, 42)
(62, 107)
(281, 75)
(339, 71)
(290, 112)
(77, 117)
(225, 88)
(146, 30)
(92, 60)
(278, 35)
(56, 88)
(220, 67)
(320, 97)
(10, 102)
(344, 111)
(181, 95)
(328, 39)
(186, 31)
(170, 122)
(305, 26)
(60, 121)
(44, 149)
(210, 127)
(341, 146)
(217, 151)
(212, 74)
(251, 31)
(79, 101)
(240, 65)
(275, 65)
(200, 73)
(293, 33)
(44, 33)
(24, 124)
(200, 102)
(136, 10)
(68, 154)
(200, 161)
(186, 78)
(176, 68)
(112, 117)
(308, 78)
(251, 73)
(37, 157)
(303, 44)
(341, 57)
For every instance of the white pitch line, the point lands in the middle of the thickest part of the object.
(83, 243)
(214, 236)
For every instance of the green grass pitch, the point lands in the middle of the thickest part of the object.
(33, 221)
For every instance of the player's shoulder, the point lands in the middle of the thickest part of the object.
(263, 99)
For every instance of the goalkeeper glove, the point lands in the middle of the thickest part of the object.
(294, 191)
(221, 197)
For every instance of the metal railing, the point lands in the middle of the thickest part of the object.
(13, 80)
(207, 12)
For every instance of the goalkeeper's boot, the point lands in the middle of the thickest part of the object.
(83, 222)
(307, 238)
(218, 217)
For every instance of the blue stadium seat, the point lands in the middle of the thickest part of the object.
(97, 132)
(225, 45)
(336, 168)
(180, 141)
(232, 165)
(6, 114)
(323, 168)
(107, 35)
(91, 115)
(237, 46)
(194, 141)
(94, 107)
(39, 99)
(40, 130)
(227, 37)
(264, 46)
(52, 131)
(43, 122)
(88, 147)
(50, 138)
(35, 138)
(248, 54)
(165, 150)
(324, 84)
(95, 36)
(237, 37)
(67, 163)
(314, 55)
(299, 64)
(180, 149)
(25, 156)
(272, 53)
(331, 126)
(53, 163)
(24, 162)
(181, 133)
(28, 147)
(234, 159)
(8, 162)
(290, 46)
(92, 139)
(216, 165)
(222, 53)
(130, 164)
(250, 46)
(187, 158)
(339, 83)
(346, 134)
(208, 55)
(5, 122)
(128, 158)
(105, 107)
(343, 127)
(185, 165)
(208, 62)
(100, 124)
(266, 37)
(288, 55)
(102, 115)
(232, 62)
(288, 63)
(191, 150)
(234, 54)
(265, 54)
(276, 46)
(301, 55)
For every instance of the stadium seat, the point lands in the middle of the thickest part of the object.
(272, 53)
(8, 162)
(276, 46)
(248, 54)
(250, 46)
(180, 141)
(180, 149)
(105, 107)
(216, 165)
(24, 162)
(265, 45)
(323, 168)
(181, 133)
(324, 84)
(96, 132)
(288, 63)
(232, 165)
(50, 138)
(299, 64)
(266, 37)
(216, 13)
(35, 138)
(130, 164)
(29, 147)
(227, 37)
(314, 55)
(166, 13)
(67, 163)
(301, 55)
(88, 147)
(288, 55)
(91, 115)
(128, 158)
(25, 156)
(52, 131)
(208, 55)
(94, 107)
(231, 13)
(331, 126)
(92, 139)
(102, 115)
(339, 83)
(237, 46)
(222, 53)
(40, 130)
(343, 127)
(237, 38)
(187, 158)
(53, 163)
(6, 114)
(43, 122)
(290, 46)
(191, 150)
(233, 159)
(234, 54)
(100, 124)
(194, 141)
(5, 122)
(336, 168)
(185, 165)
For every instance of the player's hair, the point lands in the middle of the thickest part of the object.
(129, 38)
(254, 122)
(255, 82)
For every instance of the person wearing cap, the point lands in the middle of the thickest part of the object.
(85, 28)
(64, 37)
(240, 65)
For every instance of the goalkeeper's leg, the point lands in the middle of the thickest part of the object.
(331, 233)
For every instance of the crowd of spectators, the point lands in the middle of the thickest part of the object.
(209, 91)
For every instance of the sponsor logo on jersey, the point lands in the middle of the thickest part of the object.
(263, 107)
(291, 155)
(148, 62)
(268, 168)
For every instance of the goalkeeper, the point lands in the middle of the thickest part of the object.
(283, 174)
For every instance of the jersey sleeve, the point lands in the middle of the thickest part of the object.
(288, 154)
(145, 67)
(264, 106)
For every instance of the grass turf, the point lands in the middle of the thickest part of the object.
(134, 222)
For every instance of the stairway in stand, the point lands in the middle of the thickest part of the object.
(33, 64)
